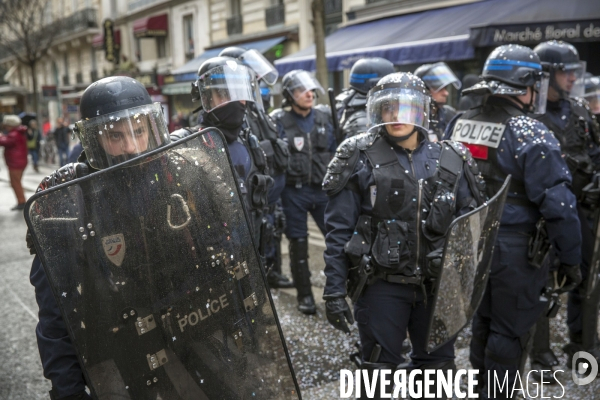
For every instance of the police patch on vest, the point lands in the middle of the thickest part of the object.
(114, 248)
(478, 132)
(373, 193)
(299, 143)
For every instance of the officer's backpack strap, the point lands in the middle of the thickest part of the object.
(343, 163)
(462, 155)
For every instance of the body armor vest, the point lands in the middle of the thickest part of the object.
(276, 150)
(495, 112)
(574, 141)
(395, 234)
(309, 154)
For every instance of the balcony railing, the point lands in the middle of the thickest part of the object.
(275, 15)
(78, 21)
(333, 6)
(234, 25)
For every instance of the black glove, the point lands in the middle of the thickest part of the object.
(338, 312)
(434, 264)
(590, 194)
(568, 277)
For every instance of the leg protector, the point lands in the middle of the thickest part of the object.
(301, 274)
(542, 357)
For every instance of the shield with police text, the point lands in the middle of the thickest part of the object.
(465, 269)
(153, 266)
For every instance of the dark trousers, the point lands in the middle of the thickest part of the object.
(63, 153)
(297, 203)
(384, 313)
(509, 309)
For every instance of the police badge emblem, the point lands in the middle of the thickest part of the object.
(114, 248)
(299, 143)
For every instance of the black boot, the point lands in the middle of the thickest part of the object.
(275, 278)
(542, 357)
(587, 339)
(301, 274)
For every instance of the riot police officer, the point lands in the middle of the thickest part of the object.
(504, 140)
(592, 93)
(147, 245)
(569, 117)
(391, 203)
(263, 127)
(364, 74)
(309, 134)
(437, 77)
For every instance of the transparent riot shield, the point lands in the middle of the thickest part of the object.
(465, 269)
(153, 266)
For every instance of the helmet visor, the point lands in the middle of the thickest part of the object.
(227, 83)
(301, 83)
(576, 71)
(594, 99)
(396, 105)
(541, 93)
(263, 68)
(111, 139)
(439, 76)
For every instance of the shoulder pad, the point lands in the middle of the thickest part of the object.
(356, 123)
(365, 140)
(341, 166)
(277, 113)
(471, 170)
(64, 174)
(324, 108)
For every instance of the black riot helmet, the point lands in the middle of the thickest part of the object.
(562, 57)
(509, 70)
(222, 80)
(265, 71)
(119, 121)
(232, 51)
(437, 76)
(365, 73)
(297, 82)
(399, 98)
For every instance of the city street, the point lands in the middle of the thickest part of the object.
(318, 351)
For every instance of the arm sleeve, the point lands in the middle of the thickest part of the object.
(58, 356)
(548, 184)
(7, 140)
(341, 216)
(332, 145)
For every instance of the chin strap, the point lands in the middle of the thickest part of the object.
(399, 139)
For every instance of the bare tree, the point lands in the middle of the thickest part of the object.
(27, 31)
(318, 12)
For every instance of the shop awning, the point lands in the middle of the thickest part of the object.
(539, 21)
(435, 35)
(157, 25)
(193, 65)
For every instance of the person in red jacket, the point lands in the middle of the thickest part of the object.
(15, 154)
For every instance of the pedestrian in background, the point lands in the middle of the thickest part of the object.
(15, 155)
(61, 138)
(34, 136)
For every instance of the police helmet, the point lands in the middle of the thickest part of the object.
(592, 93)
(297, 82)
(561, 56)
(399, 98)
(437, 76)
(232, 51)
(222, 80)
(365, 73)
(119, 121)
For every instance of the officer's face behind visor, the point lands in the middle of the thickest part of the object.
(226, 84)
(114, 138)
(439, 79)
(302, 88)
(594, 99)
(398, 110)
(570, 78)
